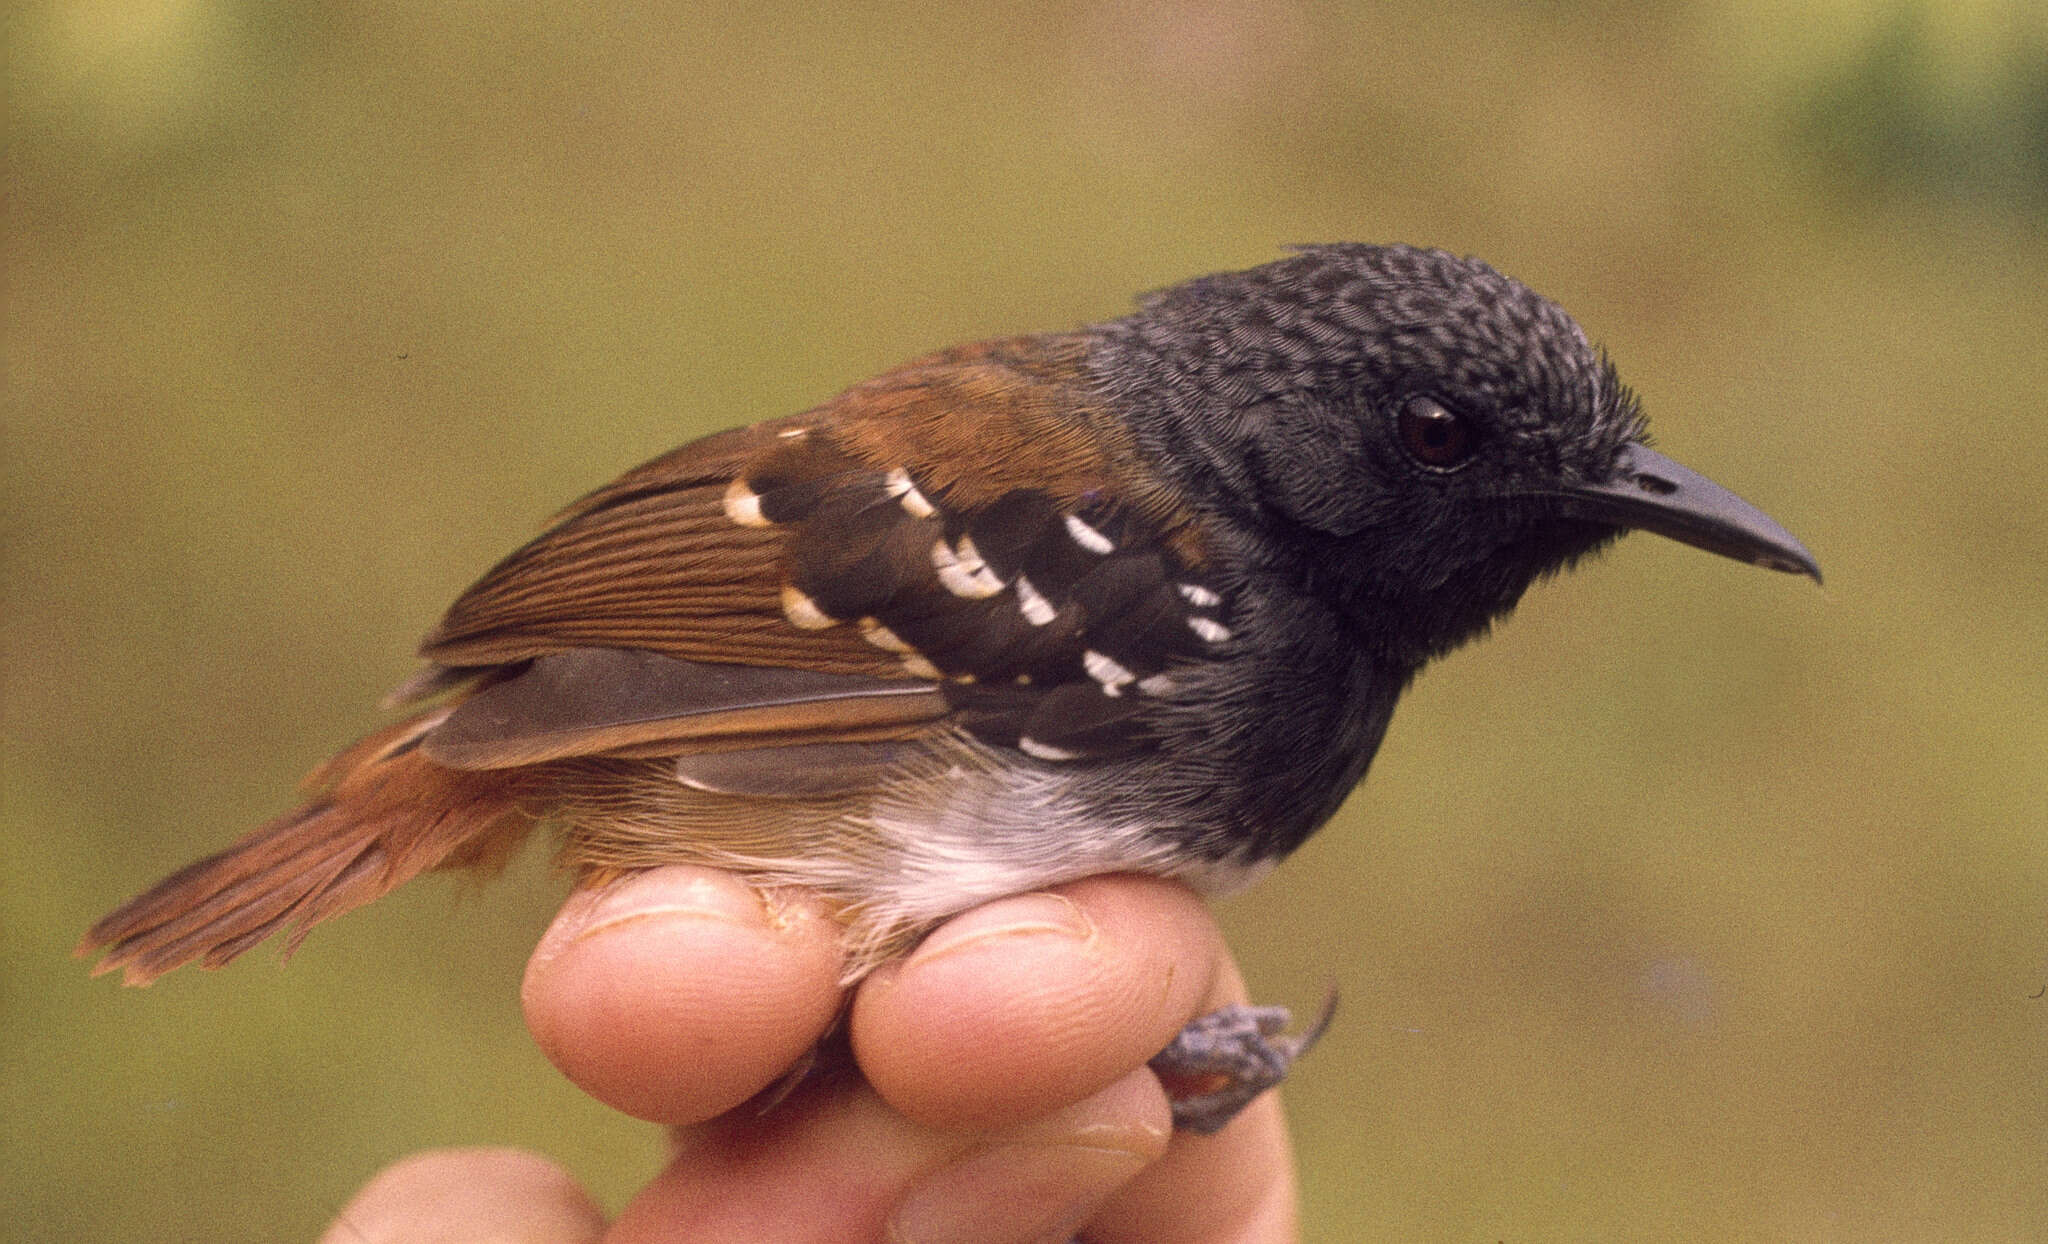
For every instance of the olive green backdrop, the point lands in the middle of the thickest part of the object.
(1697, 904)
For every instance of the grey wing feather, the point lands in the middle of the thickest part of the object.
(592, 701)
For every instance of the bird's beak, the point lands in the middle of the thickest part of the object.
(1651, 492)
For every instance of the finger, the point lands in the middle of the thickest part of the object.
(1235, 1187)
(677, 993)
(1042, 1180)
(1026, 1004)
(502, 1195)
(865, 1172)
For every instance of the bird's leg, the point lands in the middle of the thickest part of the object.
(1242, 1051)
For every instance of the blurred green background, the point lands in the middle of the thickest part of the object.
(1697, 904)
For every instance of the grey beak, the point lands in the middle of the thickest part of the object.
(1651, 492)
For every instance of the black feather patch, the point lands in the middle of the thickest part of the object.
(860, 550)
(791, 480)
(1006, 531)
(1062, 622)
(1077, 721)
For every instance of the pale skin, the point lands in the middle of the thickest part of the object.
(1003, 1093)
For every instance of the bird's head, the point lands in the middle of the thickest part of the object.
(1423, 436)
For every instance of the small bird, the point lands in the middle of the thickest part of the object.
(1135, 598)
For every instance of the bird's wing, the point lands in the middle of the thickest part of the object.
(843, 580)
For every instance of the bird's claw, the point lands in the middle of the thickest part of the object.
(1247, 1047)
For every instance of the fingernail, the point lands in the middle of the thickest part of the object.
(676, 891)
(1026, 915)
(1013, 1194)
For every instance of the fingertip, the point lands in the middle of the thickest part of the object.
(865, 1172)
(676, 993)
(1043, 1179)
(505, 1195)
(1027, 1004)
(1234, 1187)
(824, 1164)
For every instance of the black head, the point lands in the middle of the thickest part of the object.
(1420, 435)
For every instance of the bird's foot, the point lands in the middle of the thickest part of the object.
(1215, 1066)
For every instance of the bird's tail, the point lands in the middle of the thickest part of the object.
(377, 815)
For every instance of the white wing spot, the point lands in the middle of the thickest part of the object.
(1037, 609)
(1157, 684)
(899, 486)
(743, 505)
(1045, 751)
(803, 611)
(882, 637)
(1209, 629)
(1198, 596)
(1107, 671)
(1087, 537)
(962, 570)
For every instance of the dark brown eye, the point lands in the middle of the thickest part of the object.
(1433, 435)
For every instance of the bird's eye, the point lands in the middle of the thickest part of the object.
(1432, 434)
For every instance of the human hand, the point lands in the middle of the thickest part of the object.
(1003, 1094)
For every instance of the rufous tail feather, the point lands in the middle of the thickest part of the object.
(378, 814)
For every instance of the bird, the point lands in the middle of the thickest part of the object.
(1136, 597)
